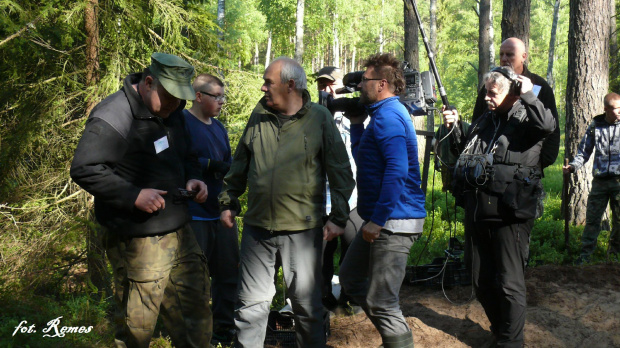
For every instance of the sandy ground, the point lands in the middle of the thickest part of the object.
(568, 306)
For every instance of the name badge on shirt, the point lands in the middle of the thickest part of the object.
(161, 144)
(536, 90)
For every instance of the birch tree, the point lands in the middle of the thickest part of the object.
(554, 27)
(299, 32)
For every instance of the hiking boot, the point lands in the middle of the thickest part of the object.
(398, 341)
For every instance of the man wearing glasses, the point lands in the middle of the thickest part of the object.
(390, 201)
(219, 244)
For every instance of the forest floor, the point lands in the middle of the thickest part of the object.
(567, 306)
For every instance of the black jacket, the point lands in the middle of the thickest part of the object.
(551, 145)
(516, 139)
(116, 158)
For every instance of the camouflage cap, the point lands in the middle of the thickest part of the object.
(331, 73)
(175, 74)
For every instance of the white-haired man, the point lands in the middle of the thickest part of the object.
(498, 180)
(286, 148)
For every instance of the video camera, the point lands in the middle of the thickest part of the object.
(418, 94)
(347, 105)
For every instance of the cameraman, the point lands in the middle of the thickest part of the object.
(329, 80)
(390, 201)
(497, 179)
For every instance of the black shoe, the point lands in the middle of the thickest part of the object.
(330, 302)
(223, 337)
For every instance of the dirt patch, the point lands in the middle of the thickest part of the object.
(567, 307)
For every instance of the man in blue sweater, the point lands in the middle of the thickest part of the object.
(390, 201)
(219, 244)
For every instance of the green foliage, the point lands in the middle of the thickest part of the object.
(538, 59)
(78, 311)
(44, 216)
(444, 220)
(244, 29)
(457, 53)
(279, 300)
(280, 21)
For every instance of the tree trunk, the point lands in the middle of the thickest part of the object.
(91, 30)
(433, 26)
(97, 270)
(554, 26)
(268, 53)
(412, 53)
(516, 21)
(486, 51)
(614, 63)
(586, 85)
(299, 32)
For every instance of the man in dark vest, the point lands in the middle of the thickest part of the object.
(497, 179)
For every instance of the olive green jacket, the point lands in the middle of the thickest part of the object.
(284, 168)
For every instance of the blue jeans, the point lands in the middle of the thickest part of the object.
(372, 274)
(300, 252)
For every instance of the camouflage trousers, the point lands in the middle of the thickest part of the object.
(164, 272)
(603, 191)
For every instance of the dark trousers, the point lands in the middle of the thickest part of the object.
(603, 191)
(220, 245)
(329, 249)
(372, 274)
(499, 252)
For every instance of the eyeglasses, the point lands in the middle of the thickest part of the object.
(218, 98)
(364, 79)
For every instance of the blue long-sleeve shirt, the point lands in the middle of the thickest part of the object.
(211, 143)
(388, 171)
(603, 138)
